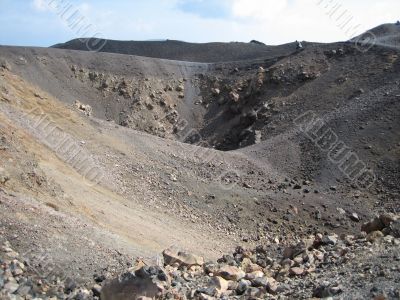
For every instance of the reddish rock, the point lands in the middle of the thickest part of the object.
(296, 271)
(231, 273)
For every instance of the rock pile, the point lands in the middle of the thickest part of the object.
(321, 266)
(290, 272)
(386, 224)
(19, 280)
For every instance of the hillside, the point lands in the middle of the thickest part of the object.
(111, 156)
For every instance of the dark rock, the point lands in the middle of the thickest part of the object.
(329, 240)
(210, 267)
(96, 290)
(260, 43)
(292, 251)
(99, 278)
(387, 219)
(253, 292)
(243, 286)
(228, 259)
(374, 225)
(69, 285)
(325, 291)
(133, 285)
(260, 282)
(394, 228)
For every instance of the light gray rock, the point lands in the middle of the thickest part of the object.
(11, 287)
(174, 256)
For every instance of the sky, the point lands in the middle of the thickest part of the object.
(47, 22)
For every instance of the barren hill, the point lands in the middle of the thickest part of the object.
(387, 35)
(183, 51)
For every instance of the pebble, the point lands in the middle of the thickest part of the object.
(374, 235)
(243, 286)
(354, 217)
(329, 239)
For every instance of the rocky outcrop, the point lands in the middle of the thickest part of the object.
(85, 108)
(5, 65)
(145, 103)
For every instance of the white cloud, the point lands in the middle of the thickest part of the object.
(280, 21)
(270, 21)
(58, 5)
(84, 8)
(41, 5)
(258, 9)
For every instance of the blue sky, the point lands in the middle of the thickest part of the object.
(44, 22)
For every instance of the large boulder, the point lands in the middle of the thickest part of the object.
(173, 256)
(387, 219)
(373, 225)
(379, 223)
(248, 266)
(220, 285)
(326, 290)
(294, 250)
(149, 282)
